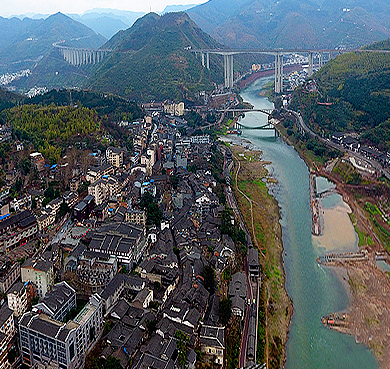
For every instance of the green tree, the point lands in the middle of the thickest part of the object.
(225, 310)
(209, 278)
(181, 345)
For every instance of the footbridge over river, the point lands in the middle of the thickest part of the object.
(81, 56)
(313, 55)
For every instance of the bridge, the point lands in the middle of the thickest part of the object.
(278, 54)
(81, 56)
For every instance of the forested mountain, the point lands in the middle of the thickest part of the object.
(25, 42)
(355, 87)
(9, 99)
(152, 60)
(114, 107)
(294, 23)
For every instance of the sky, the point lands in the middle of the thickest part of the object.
(16, 7)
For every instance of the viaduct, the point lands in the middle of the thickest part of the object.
(80, 56)
(228, 61)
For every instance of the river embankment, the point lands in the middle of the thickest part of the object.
(314, 290)
(261, 214)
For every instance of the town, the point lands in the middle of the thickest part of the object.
(130, 262)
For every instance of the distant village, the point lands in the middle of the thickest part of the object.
(128, 261)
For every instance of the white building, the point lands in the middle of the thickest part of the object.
(17, 298)
(40, 272)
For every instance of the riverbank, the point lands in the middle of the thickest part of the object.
(267, 237)
(367, 316)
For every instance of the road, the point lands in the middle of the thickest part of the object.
(336, 146)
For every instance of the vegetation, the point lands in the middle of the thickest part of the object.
(50, 127)
(181, 345)
(232, 230)
(151, 60)
(233, 343)
(355, 88)
(114, 107)
(225, 310)
(153, 212)
(209, 278)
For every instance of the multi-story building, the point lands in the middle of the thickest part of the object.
(95, 173)
(40, 272)
(21, 203)
(124, 240)
(37, 161)
(58, 302)
(84, 208)
(104, 188)
(44, 339)
(53, 206)
(17, 298)
(70, 198)
(136, 216)
(114, 156)
(7, 332)
(17, 230)
(9, 273)
(45, 220)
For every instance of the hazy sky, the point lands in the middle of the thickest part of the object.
(15, 7)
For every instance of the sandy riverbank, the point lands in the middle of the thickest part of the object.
(368, 317)
(337, 233)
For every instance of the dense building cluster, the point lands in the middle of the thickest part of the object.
(140, 248)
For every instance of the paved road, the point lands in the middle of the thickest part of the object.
(336, 146)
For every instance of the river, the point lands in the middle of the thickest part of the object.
(314, 290)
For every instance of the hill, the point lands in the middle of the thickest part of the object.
(151, 60)
(25, 42)
(9, 99)
(356, 86)
(114, 107)
(294, 23)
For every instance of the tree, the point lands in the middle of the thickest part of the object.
(225, 310)
(181, 345)
(209, 278)
(153, 212)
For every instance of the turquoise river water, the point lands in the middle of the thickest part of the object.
(314, 290)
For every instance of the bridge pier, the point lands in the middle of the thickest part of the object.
(310, 71)
(278, 73)
(203, 63)
(228, 70)
(208, 61)
(320, 60)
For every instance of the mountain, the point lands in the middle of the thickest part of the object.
(294, 23)
(25, 42)
(152, 60)
(107, 22)
(9, 99)
(177, 8)
(355, 87)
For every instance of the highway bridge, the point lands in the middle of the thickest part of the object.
(277, 53)
(81, 56)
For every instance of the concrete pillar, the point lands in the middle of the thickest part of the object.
(203, 63)
(208, 61)
(278, 73)
(225, 62)
(320, 60)
(231, 75)
(310, 71)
